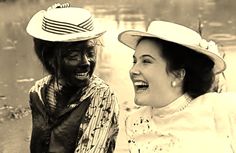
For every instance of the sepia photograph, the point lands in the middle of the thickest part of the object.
(117, 76)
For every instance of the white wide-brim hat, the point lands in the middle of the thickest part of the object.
(64, 25)
(178, 34)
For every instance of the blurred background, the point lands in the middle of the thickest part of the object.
(20, 68)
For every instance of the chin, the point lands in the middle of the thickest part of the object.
(77, 83)
(140, 102)
(82, 83)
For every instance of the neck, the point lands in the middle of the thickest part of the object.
(61, 85)
(177, 105)
(171, 96)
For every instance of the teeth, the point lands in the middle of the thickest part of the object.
(82, 74)
(140, 83)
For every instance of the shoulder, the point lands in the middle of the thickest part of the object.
(100, 92)
(40, 84)
(98, 83)
(138, 121)
(35, 93)
(138, 116)
(141, 110)
(226, 100)
(97, 86)
(226, 96)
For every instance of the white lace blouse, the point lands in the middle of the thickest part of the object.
(206, 124)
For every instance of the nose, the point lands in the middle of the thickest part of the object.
(134, 71)
(84, 60)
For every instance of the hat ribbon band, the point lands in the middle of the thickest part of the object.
(62, 28)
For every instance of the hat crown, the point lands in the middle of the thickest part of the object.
(70, 20)
(174, 32)
(70, 15)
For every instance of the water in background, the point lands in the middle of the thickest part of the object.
(20, 68)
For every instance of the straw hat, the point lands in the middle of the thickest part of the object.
(63, 23)
(178, 34)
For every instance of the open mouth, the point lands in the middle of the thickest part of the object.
(140, 86)
(82, 75)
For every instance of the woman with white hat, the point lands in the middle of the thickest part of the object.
(72, 109)
(173, 71)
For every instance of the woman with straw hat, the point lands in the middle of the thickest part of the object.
(72, 109)
(173, 71)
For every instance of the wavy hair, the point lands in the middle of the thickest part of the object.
(198, 67)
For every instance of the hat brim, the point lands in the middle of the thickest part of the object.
(131, 37)
(34, 28)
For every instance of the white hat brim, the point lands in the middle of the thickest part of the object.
(131, 37)
(34, 28)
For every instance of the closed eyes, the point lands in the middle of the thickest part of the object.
(146, 61)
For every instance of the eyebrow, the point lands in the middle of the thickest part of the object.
(145, 55)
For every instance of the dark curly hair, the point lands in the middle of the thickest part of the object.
(198, 67)
(45, 51)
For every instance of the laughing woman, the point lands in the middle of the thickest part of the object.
(72, 109)
(173, 72)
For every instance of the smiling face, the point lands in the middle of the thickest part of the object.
(78, 63)
(152, 82)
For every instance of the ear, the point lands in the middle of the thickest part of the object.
(179, 76)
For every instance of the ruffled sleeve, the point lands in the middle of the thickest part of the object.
(232, 119)
(225, 117)
(135, 125)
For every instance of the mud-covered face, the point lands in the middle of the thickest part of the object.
(78, 63)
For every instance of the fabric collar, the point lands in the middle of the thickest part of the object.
(177, 105)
